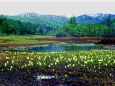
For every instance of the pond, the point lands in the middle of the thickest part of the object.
(62, 48)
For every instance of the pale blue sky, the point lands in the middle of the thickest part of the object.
(67, 8)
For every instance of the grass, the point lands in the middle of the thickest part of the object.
(91, 65)
(94, 59)
(23, 40)
(31, 40)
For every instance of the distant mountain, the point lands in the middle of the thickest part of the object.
(48, 17)
(54, 17)
(82, 19)
(55, 21)
(29, 15)
(48, 21)
(93, 18)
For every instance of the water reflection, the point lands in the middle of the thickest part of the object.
(62, 48)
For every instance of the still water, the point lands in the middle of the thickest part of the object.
(62, 48)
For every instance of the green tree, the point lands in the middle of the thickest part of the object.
(60, 33)
(109, 22)
(69, 29)
(41, 30)
(5, 26)
(73, 20)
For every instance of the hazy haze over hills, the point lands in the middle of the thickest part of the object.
(82, 19)
(67, 8)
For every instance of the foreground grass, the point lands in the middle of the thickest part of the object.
(93, 59)
(23, 40)
(95, 66)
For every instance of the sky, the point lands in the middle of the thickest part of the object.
(57, 7)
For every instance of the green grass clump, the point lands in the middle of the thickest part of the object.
(92, 65)
(93, 59)
(23, 40)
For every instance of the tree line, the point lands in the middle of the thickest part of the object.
(14, 27)
(106, 28)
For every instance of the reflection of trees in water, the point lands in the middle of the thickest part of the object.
(49, 49)
(62, 48)
(80, 48)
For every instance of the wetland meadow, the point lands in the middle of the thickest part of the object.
(36, 60)
(57, 43)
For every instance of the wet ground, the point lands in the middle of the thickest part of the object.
(82, 77)
(101, 78)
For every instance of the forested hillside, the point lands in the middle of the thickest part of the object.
(60, 21)
(48, 21)
(9, 26)
(32, 23)
(93, 18)
(106, 28)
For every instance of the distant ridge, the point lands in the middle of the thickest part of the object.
(61, 21)
(93, 18)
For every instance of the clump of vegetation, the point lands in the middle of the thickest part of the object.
(89, 65)
(94, 59)
(100, 30)
(71, 29)
(23, 40)
(17, 27)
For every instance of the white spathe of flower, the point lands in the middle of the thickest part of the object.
(85, 62)
(5, 64)
(68, 65)
(12, 61)
(7, 57)
(27, 58)
(39, 63)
